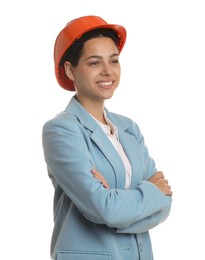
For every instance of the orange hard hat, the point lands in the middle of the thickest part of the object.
(74, 30)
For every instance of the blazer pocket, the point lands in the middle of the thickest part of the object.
(81, 255)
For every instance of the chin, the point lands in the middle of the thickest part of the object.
(108, 96)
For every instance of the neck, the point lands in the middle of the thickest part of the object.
(96, 109)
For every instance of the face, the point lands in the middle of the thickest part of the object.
(97, 74)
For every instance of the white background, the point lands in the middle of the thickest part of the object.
(162, 89)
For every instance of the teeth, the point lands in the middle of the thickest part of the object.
(106, 83)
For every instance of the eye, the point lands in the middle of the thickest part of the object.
(115, 61)
(94, 63)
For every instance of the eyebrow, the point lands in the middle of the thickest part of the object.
(100, 57)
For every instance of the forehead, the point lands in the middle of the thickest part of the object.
(100, 45)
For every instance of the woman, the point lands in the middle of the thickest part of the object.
(108, 193)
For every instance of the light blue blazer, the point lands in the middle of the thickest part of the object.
(90, 221)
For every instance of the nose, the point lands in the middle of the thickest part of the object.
(105, 69)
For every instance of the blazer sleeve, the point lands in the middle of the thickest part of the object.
(148, 223)
(70, 162)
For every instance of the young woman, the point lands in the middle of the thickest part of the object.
(108, 192)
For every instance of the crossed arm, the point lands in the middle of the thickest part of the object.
(158, 179)
(64, 152)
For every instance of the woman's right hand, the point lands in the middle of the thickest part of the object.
(99, 176)
(162, 184)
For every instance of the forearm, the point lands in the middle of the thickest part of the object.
(147, 223)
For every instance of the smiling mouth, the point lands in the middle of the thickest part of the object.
(105, 84)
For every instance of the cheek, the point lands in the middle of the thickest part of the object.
(91, 74)
(118, 72)
(83, 78)
(119, 69)
(79, 75)
(84, 73)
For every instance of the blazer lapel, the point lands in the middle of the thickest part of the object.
(100, 139)
(129, 144)
(106, 147)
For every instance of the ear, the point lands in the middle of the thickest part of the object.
(68, 70)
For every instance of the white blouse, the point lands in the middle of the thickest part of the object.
(112, 133)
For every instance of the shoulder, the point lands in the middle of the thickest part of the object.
(61, 121)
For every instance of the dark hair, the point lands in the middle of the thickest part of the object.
(74, 52)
